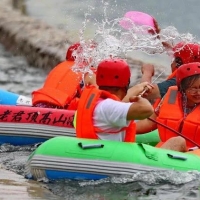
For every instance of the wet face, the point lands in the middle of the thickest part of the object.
(193, 92)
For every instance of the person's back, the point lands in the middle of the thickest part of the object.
(101, 114)
(62, 85)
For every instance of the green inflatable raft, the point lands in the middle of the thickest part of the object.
(73, 158)
(152, 138)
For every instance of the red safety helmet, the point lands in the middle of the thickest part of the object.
(187, 52)
(187, 70)
(71, 50)
(113, 72)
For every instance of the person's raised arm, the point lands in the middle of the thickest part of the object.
(147, 73)
(140, 109)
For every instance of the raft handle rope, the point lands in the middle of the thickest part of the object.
(177, 157)
(90, 146)
(178, 133)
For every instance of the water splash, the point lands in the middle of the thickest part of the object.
(171, 35)
(12, 148)
(153, 185)
(111, 40)
(150, 178)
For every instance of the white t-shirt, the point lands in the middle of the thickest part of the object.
(110, 116)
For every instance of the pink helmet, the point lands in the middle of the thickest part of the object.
(139, 18)
(187, 52)
(113, 72)
(71, 50)
(187, 70)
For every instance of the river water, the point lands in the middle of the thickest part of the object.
(17, 76)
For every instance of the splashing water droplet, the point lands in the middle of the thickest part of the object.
(111, 40)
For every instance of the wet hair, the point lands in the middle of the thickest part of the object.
(178, 62)
(188, 82)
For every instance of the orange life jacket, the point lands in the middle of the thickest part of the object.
(172, 75)
(60, 87)
(87, 103)
(171, 114)
(157, 101)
